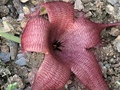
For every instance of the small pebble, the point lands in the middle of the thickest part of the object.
(31, 76)
(35, 2)
(78, 5)
(24, 1)
(18, 6)
(5, 56)
(28, 88)
(4, 71)
(113, 2)
(20, 17)
(4, 11)
(110, 9)
(20, 56)
(86, 1)
(72, 88)
(117, 43)
(12, 10)
(21, 61)
(113, 10)
(104, 71)
(26, 10)
(23, 22)
(4, 49)
(13, 49)
(118, 47)
(66, 0)
(2, 2)
(114, 32)
(117, 16)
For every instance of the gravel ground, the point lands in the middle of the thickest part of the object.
(18, 67)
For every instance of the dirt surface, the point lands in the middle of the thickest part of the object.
(18, 67)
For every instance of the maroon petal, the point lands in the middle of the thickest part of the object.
(60, 14)
(84, 65)
(76, 37)
(35, 35)
(89, 32)
(81, 36)
(87, 70)
(84, 33)
(52, 75)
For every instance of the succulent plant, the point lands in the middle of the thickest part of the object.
(66, 41)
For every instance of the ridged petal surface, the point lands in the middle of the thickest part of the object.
(88, 71)
(59, 16)
(77, 36)
(77, 40)
(52, 75)
(35, 35)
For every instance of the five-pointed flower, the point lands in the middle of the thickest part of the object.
(65, 40)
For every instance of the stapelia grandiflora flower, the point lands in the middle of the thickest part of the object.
(66, 41)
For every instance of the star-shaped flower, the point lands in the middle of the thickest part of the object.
(66, 41)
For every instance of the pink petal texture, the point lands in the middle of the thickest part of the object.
(88, 32)
(74, 38)
(81, 36)
(82, 63)
(52, 75)
(60, 17)
(35, 35)
(88, 72)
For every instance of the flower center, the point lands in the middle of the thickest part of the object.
(57, 45)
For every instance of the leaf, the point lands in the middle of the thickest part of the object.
(2, 29)
(7, 26)
(10, 37)
(43, 11)
(12, 86)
